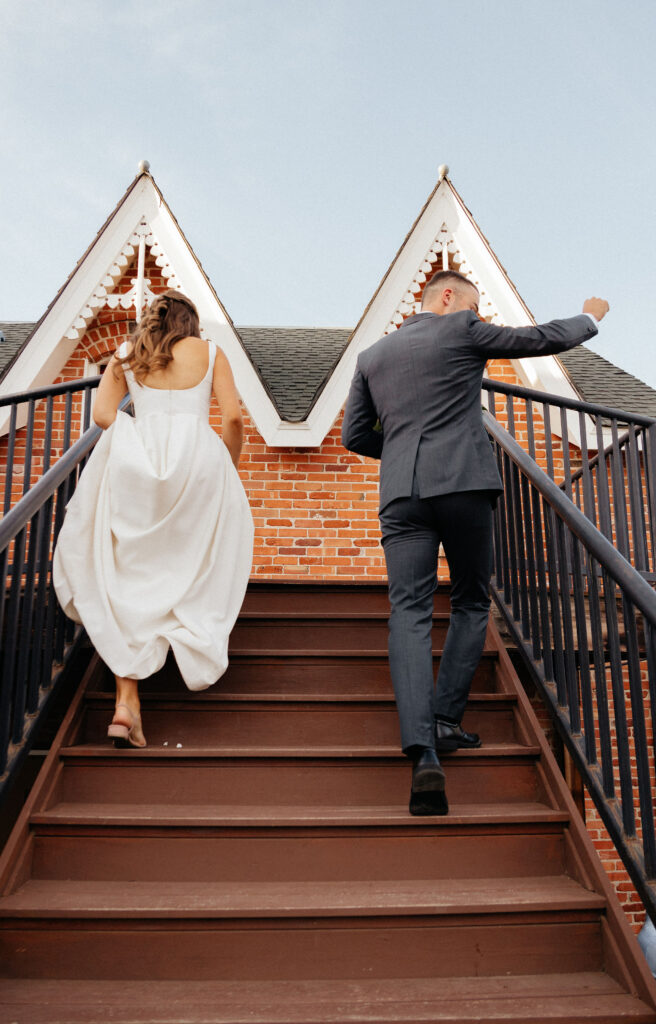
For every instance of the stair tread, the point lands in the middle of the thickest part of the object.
(187, 701)
(285, 815)
(38, 897)
(463, 1000)
(349, 753)
(331, 652)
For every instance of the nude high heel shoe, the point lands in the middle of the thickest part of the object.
(127, 736)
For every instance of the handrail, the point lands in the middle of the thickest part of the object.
(21, 513)
(584, 620)
(542, 397)
(30, 456)
(615, 484)
(621, 571)
(38, 638)
(34, 394)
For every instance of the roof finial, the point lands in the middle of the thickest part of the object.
(443, 170)
(144, 167)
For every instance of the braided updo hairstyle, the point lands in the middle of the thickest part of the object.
(170, 317)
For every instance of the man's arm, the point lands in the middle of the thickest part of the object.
(543, 340)
(360, 416)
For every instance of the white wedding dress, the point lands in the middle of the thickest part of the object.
(157, 542)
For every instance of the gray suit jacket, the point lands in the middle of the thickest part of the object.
(423, 382)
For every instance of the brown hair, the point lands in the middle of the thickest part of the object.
(170, 317)
(443, 278)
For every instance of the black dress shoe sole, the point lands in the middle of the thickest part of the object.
(449, 746)
(429, 779)
(428, 804)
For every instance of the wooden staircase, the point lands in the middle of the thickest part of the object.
(257, 863)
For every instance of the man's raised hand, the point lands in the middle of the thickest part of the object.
(598, 308)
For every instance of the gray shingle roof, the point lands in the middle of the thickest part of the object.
(599, 381)
(295, 363)
(13, 337)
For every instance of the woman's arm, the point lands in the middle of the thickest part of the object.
(223, 386)
(111, 391)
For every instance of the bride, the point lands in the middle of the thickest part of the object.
(157, 543)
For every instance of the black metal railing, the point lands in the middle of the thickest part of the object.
(610, 470)
(37, 639)
(40, 426)
(585, 621)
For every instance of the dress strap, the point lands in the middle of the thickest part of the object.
(211, 358)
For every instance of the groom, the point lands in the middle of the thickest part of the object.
(415, 403)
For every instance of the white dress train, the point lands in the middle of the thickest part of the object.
(157, 542)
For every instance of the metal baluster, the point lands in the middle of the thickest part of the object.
(56, 617)
(556, 625)
(619, 707)
(503, 521)
(67, 421)
(589, 506)
(619, 500)
(7, 694)
(26, 640)
(47, 443)
(567, 469)
(29, 439)
(543, 590)
(603, 493)
(640, 745)
(601, 686)
(37, 673)
(496, 521)
(9, 469)
(636, 502)
(530, 427)
(521, 534)
(583, 653)
(86, 419)
(534, 631)
(649, 462)
(509, 491)
(548, 440)
(510, 413)
(568, 632)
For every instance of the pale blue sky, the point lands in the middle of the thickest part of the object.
(296, 141)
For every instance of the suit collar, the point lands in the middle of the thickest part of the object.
(417, 316)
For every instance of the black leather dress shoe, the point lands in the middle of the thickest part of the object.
(428, 794)
(449, 737)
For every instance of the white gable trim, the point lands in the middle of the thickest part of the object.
(58, 334)
(444, 216)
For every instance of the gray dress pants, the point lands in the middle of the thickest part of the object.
(413, 529)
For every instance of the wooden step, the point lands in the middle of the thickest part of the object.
(328, 632)
(106, 843)
(347, 597)
(556, 998)
(323, 724)
(292, 776)
(531, 939)
(506, 818)
(364, 898)
(359, 674)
